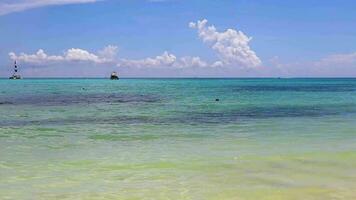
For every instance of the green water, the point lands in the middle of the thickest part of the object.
(170, 139)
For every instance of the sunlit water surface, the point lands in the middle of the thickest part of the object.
(171, 139)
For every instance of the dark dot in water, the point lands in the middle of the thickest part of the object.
(217, 99)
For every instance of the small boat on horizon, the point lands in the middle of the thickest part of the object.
(114, 76)
(15, 75)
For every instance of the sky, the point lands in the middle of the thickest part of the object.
(178, 38)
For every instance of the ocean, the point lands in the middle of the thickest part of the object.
(179, 139)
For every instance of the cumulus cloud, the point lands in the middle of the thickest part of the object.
(71, 55)
(37, 58)
(188, 61)
(164, 60)
(231, 46)
(108, 55)
(218, 64)
(82, 55)
(10, 6)
(109, 52)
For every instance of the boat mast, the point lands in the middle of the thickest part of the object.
(15, 68)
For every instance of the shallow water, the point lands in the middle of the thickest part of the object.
(171, 139)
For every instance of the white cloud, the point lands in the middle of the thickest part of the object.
(108, 52)
(188, 61)
(337, 65)
(71, 55)
(218, 64)
(337, 59)
(108, 55)
(10, 6)
(37, 58)
(231, 46)
(164, 60)
(82, 55)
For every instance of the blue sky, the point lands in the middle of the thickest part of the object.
(153, 38)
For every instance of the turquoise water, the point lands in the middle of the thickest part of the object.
(171, 139)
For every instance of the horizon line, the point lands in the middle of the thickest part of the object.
(194, 77)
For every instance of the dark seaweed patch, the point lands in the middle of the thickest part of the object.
(62, 100)
(297, 88)
(265, 112)
(81, 120)
(5, 103)
(197, 117)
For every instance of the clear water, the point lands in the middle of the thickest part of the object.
(170, 139)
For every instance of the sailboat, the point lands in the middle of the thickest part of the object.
(15, 75)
